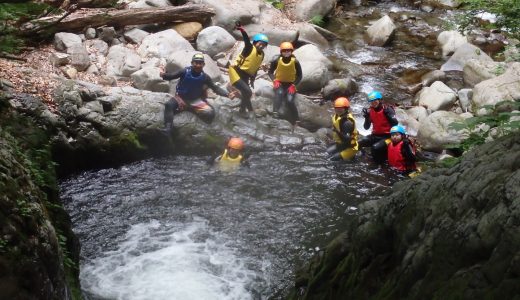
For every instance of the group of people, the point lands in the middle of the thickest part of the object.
(388, 140)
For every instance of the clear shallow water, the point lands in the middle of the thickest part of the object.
(173, 228)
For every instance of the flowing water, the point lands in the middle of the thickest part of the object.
(173, 228)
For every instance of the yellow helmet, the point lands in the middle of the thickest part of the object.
(342, 102)
(286, 46)
(236, 143)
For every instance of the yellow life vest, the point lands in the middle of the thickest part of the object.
(336, 121)
(249, 65)
(285, 72)
(227, 163)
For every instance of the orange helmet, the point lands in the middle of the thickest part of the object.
(236, 143)
(342, 102)
(286, 46)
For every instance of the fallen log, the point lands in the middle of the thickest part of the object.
(83, 18)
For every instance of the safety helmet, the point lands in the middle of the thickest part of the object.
(260, 37)
(398, 128)
(342, 102)
(197, 57)
(286, 46)
(375, 95)
(236, 143)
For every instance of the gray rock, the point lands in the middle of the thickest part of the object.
(79, 57)
(59, 59)
(381, 32)
(505, 87)
(213, 40)
(437, 97)
(307, 9)
(462, 55)
(106, 34)
(435, 131)
(135, 35)
(90, 33)
(64, 40)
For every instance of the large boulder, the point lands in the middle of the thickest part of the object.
(315, 68)
(505, 87)
(149, 79)
(122, 61)
(462, 55)
(307, 9)
(435, 132)
(381, 32)
(214, 39)
(162, 44)
(476, 71)
(64, 40)
(226, 12)
(450, 41)
(445, 3)
(408, 121)
(438, 96)
(188, 30)
(339, 87)
(79, 57)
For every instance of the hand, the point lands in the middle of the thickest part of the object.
(232, 94)
(276, 84)
(366, 114)
(238, 26)
(292, 89)
(181, 103)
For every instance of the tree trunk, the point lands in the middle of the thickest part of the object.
(84, 18)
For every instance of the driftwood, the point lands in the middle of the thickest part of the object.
(84, 18)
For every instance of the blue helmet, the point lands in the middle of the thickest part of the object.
(260, 37)
(398, 128)
(374, 95)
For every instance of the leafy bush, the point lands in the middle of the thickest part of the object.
(488, 127)
(11, 16)
(507, 12)
(317, 20)
(276, 4)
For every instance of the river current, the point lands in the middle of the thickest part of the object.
(175, 228)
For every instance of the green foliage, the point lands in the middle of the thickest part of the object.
(507, 12)
(11, 16)
(67, 260)
(276, 4)
(481, 127)
(317, 20)
(3, 245)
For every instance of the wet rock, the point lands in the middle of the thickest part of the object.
(430, 77)
(315, 68)
(339, 87)
(450, 41)
(381, 32)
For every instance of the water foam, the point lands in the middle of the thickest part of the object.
(158, 261)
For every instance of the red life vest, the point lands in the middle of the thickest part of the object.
(380, 122)
(396, 159)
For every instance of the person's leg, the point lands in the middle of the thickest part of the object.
(170, 107)
(246, 93)
(366, 141)
(379, 150)
(277, 101)
(293, 110)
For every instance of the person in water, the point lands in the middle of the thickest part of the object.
(401, 153)
(191, 92)
(242, 72)
(286, 72)
(382, 118)
(344, 132)
(233, 156)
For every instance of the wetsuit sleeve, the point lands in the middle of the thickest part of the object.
(407, 152)
(390, 115)
(171, 76)
(218, 90)
(272, 67)
(248, 47)
(367, 122)
(298, 73)
(347, 127)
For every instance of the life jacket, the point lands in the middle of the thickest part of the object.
(249, 65)
(285, 72)
(191, 87)
(227, 163)
(336, 123)
(396, 159)
(380, 122)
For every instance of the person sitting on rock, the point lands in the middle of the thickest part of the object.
(191, 92)
(286, 72)
(382, 117)
(242, 72)
(344, 132)
(401, 153)
(232, 158)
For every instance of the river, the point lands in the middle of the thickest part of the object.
(174, 228)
